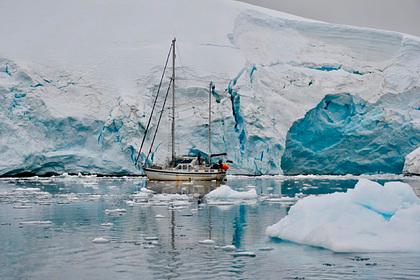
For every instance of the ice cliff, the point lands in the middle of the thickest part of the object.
(344, 134)
(78, 101)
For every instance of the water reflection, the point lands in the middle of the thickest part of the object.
(199, 187)
(161, 240)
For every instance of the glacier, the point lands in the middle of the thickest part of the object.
(368, 218)
(78, 101)
(344, 134)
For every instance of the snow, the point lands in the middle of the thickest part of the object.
(224, 192)
(368, 218)
(412, 163)
(80, 103)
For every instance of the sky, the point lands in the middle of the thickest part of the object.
(396, 15)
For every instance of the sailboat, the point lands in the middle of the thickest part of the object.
(181, 168)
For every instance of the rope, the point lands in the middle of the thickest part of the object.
(160, 117)
(154, 105)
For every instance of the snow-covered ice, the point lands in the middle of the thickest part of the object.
(228, 248)
(115, 212)
(207, 242)
(100, 240)
(370, 217)
(224, 192)
(244, 254)
(42, 223)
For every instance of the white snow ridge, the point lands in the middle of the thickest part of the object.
(368, 218)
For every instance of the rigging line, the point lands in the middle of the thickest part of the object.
(180, 62)
(160, 117)
(154, 105)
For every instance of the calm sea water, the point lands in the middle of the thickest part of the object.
(47, 227)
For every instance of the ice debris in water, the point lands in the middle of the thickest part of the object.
(279, 199)
(244, 254)
(224, 192)
(206, 242)
(100, 240)
(150, 238)
(36, 223)
(116, 212)
(229, 248)
(159, 216)
(147, 197)
(107, 224)
(22, 206)
(368, 218)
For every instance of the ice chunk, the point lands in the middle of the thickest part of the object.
(150, 238)
(159, 216)
(42, 223)
(370, 217)
(116, 212)
(244, 254)
(22, 206)
(107, 224)
(266, 249)
(100, 240)
(228, 248)
(206, 242)
(225, 192)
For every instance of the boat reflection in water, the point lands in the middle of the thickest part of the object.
(195, 188)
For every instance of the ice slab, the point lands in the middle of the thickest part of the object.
(224, 192)
(368, 218)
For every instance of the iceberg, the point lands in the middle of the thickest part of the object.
(224, 192)
(79, 104)
(368, 218)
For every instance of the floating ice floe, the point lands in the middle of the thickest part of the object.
(266, 249)
(244, 254)
(41, 223)
(368, 218)
(207, 242)
(107, 224)
(279, 199)
(22, 206)
(116, 212)
(228, 248)
(227, 195)
(159, 216)
(150, 238)
(100, 240)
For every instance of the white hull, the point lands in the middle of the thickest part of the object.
(180, 175)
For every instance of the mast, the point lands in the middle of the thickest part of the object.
(173, 102)
(211, 87)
